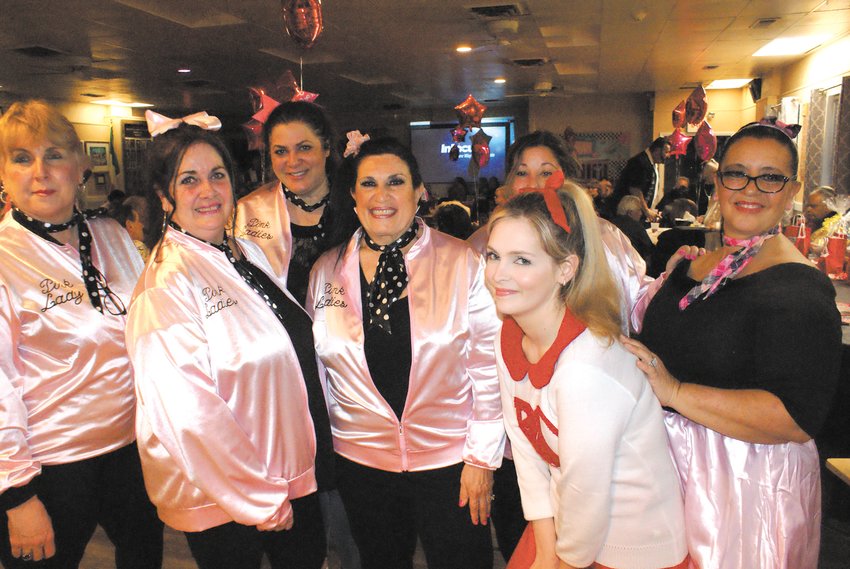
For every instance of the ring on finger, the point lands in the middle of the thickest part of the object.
(492, 497)
(26, 557)
(653, 362)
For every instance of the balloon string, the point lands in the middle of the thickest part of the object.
(301, 67)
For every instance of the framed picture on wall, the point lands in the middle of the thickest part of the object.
(98, 153)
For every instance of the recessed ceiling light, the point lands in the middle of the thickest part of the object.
(728, 83)
(114, 103)
(790, 46)
(463, 49)
(184, 70)
(499, 80)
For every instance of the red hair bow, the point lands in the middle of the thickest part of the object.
(550, 196)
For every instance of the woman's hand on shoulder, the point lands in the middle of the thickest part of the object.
(663, 384)
(31, 530)
(476, 490)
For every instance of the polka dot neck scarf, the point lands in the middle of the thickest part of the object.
(255, 278)
(390, 277)
(298, 202)
(100, 295)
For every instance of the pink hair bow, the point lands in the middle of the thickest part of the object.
(791, 130)
(355, 141)
(550, 196)
(159, 124)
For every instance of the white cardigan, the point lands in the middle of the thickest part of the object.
(615, 497)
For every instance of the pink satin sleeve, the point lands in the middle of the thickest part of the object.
(639, 309)
(485, 438)
(629, 271)
(17, 465)
(183, 412)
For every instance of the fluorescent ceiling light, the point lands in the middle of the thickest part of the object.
(113, 103)
(463, 49)
(728, 83)
(184, 70)
(790, 46)
(499, 80)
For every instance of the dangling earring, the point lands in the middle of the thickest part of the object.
(4, 196)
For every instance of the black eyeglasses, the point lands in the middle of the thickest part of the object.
(765, 183)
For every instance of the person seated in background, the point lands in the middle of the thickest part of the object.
(113, 202)
(681, 190)
(458, 190)
(132, 215)
(629, 220)
(670, 241)
(820, 217)
(604, 201)
(680, 208)
(452, 217)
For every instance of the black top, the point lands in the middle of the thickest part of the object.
(307, 246)
(388, 356)
(299, 327)
(777, 330)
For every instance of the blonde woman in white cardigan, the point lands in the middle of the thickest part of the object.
(597, 481)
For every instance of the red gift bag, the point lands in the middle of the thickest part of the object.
(800, 235)
(834, 262)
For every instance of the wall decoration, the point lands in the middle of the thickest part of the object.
(602, 154)
(134, 143)
(98, 153)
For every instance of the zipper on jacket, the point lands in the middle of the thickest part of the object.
(403, 448)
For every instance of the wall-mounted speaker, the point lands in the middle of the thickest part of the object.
(755, 89)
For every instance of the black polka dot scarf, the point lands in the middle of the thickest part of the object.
(390, 277)
(100, 295)
(254, 277)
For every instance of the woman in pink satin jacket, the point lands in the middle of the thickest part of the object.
(68, 459)
(226, 374)
(405, 327)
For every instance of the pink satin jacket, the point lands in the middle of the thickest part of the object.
(66, 385)
(223, 426)
(262, 217)
(453, 412)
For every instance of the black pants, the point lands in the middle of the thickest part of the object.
(506, 509)
(388, 510)
(106, 490)
(233, 545)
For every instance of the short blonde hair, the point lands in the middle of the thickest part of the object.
(592, 294)
(33, 119)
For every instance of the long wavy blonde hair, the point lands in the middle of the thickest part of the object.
(592, 293)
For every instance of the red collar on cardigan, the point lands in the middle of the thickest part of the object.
(540, 373)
